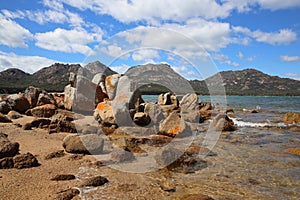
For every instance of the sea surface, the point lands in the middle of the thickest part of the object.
(257, 156)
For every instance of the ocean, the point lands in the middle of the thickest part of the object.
(262, 155)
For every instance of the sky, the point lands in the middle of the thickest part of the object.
(195, 37)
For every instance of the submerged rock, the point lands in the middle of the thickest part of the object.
(291, 118)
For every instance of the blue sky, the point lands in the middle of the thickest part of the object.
(193, 36)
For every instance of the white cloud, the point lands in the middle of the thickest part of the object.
(28, 64)
(46, 16)
(120, 69)
(241, 56)
(287, 58)
(146, 55)
(70, 41)
(283, 36)
(12, 34)
(278, 4)
(224, 59)
(150, 10)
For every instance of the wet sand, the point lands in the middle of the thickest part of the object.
(240, 170)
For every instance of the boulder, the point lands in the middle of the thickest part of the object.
(155, 112)
(4, 119)
(104, 113)
(72, 79)
(18, 102)
(45, 98)
(111, 83)
(168, 99)
(25, 161)
(221, 122)
(205, 110)
(141, 118)
(5, 107)
(291, 118)
(59, 100)
(7, 148)
(62, 122)
(14, 115)
(84, 144)
(169, 109)
(85, 97)
(173, 125)
(47, 110)
(100, 95)
(32, 95)
(37, 123)
(189, 108)
(69, 97)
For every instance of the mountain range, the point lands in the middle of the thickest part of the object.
(242, 82)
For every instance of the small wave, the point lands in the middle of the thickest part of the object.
(239, 123)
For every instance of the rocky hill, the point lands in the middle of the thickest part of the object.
(243, 82)
(52, 78)
(249, 82)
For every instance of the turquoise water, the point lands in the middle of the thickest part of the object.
(279, 104)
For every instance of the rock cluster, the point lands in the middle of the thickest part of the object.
(10, 157)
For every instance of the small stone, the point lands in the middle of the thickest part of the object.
(14, 115)
(68, 194)
(55, 154)
(167, 185)
(25, 161)
(196, 197)
(6, 163)
(95, 181)
(63, 177)
(4, 119)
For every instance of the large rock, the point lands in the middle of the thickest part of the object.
(84, 144)
(221, 122)
(155, 113)
(168, 99)
(85, 97)
(4, 119)
(111, 83)
(45, 98)
(62, 122)
(47, 111)
(173, 125)
(25, 161)
(32, 95)
(5, 107)
(14, 115)
(189, 108)
(141, 118)
(59, 100)
(291, 118)
(7, 148)
(18, 102)
(69, 97)
(104, 113)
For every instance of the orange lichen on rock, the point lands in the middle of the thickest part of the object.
(175, 131)
(104, 106)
